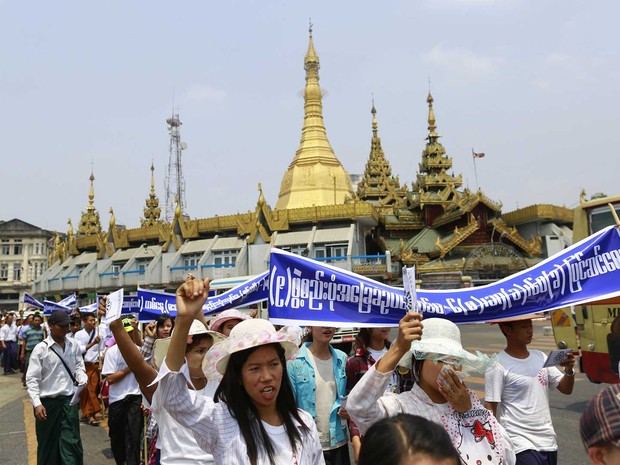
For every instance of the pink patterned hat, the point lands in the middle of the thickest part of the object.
(232, 314)
(252, 333)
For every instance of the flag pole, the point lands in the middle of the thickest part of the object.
(473, 156)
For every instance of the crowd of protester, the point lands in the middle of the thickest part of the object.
(236, 389)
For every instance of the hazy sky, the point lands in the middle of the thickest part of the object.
(533, 84)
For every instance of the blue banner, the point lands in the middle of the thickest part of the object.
(305, 292)
(154, 303)
(29, 300)
(49, 307)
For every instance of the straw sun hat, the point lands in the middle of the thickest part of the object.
(251, 333)
(441, 339)
(160, 349)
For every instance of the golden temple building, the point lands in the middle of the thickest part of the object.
(454, 236)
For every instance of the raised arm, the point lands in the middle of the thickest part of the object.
(191, 296)
(144, 373)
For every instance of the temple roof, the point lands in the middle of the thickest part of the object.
(315, 176)
(377, 185)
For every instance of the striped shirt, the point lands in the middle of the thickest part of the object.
(32, 337)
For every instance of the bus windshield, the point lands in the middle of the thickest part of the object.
(601, 217)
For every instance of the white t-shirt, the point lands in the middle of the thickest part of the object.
(283, 452)
(393, 385)
(176, 443)
(325, 396)
(112, 363)
(521, 387)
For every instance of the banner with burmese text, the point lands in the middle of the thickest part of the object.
(305, 292)
(154, 303)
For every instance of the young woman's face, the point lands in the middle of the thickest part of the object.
(322, 334)
(380, 333)
(228, 326)
(261, 376)
(164, 330)
(431, 369)
(197, 353)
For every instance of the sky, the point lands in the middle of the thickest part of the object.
(532, 84)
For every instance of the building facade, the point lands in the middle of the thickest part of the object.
(23, 259)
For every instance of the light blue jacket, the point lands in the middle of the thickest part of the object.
(301, 374)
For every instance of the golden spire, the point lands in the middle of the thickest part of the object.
(377, 185)
(432, 135)
(315, 176)
(152, 212)
(89, 223)
(433, 172)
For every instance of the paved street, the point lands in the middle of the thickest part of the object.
(18, 441)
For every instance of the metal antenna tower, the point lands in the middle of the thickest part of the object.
(175, 184)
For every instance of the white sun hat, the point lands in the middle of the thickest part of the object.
(441, 339)
(252, 333)
(160, 349)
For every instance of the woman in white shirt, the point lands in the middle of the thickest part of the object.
(174, 444)
(439, 394)
(254, 419)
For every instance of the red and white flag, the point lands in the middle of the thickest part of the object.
(477, 155)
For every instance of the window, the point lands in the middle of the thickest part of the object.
(78, 269)
(18, 247)
(141, 265)
(191, 260)
(116, 269)
(17, 271)
(326, 251)
(6, 248)
(4, 272)
(225, 257)
(297, 249)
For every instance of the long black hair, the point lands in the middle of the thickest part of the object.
(241, 407)
(394, 440)
(362, 340)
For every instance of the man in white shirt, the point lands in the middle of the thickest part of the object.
(8, 341)
(125, 418)
(91, 340)
(517, 391)
(54, 370)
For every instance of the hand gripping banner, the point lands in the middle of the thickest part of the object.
(305, 292)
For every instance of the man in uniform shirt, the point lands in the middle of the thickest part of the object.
(8, 340)
(55, 369)
(91, 341)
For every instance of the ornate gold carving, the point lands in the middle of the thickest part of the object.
(533, 247)
(89, 223)
(458, 236)
(152, 212)
(539, 212)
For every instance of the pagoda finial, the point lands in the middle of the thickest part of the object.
(432, 134)
(91, 192)
(89, 223)
(375, 125)
(152, 212)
